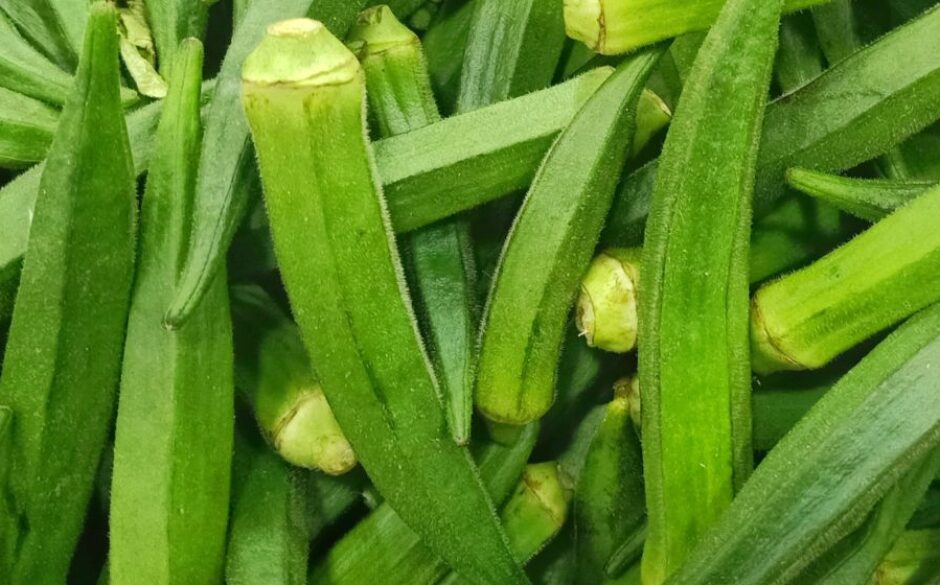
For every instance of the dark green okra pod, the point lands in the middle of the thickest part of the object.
(273, 372)
(63, 356)
(548, 248)
(914, 559)
(868, 199)
(799, 58)
(693, 310)
(303, 93)
(173, 445)
(439, 256)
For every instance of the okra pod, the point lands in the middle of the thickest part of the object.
(693, 309)
(858, 440)
(805, 319)
(56, 27)
(548, 248)
(274, 373)
(303, 93)
(440, 257)
(62, 360)
(26, 128)
(444, 44)
(172, 21)
(868, 199)
(173, 445)
(799, 58)
(914, 560)
(606, 311)
(776, 411)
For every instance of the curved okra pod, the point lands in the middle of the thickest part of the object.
(538, 272)
(63, 357)
(440, 257)
(892, 270)
(303, 92)
(693, 310)
(173, 444)
(853, 445)
(273, 371)
(26, 128)
(868, 199)
(606, 311)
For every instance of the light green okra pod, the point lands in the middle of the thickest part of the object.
(173, 445)
(303, 92)
(868, 199)
(63, 356)
(693, 308)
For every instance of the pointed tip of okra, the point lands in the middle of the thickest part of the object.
(606, 311)
(300, 52)
(377, 31)
(309, 436)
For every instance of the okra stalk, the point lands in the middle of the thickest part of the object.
(892, 270)
(170, 490)
(868, 199)
(693, 308)
(62, 360)
(273, 371)
(440, 257)
(548, 248)
(303, 92)
(26, 128)
(858, 440)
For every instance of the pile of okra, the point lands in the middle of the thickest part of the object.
(483, 292)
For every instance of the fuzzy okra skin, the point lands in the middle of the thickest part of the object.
(63, 356)
(274, 373)
(173, 445)
(440, 257)
(855, 443)
(548, 248)
(171, 21)
(868, 199)
(26, 128)
(56, 27)
(694, 306)
(304, 95)
(805, 319)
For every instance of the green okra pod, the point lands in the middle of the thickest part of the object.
(799, 57)
(693, 306)
(173, 444)
(914, 560)
(868, 199)
(606, 311)
(805, 319)
(172, 21)
(274, 373)
(855, 443)
(548, 248)
(56, 27)
(62, 360)
(440, 257)
(444, 44)
(303, 93)
(26, 128)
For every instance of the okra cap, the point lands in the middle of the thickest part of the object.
(378, 31)
(606, 312)
(309, 436)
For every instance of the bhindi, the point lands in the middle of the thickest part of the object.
(867, 199)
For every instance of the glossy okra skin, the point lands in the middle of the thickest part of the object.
(26, 128)
(887, 273)
(63, 356)
(693, 309)
(550, 246)
(342, 272)
(868, 199)
(439, 256)
(858, 440)
(173, 445)
(274, 373)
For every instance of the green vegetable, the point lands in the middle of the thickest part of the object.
(303, 93)
(172, 453)
(799, 58)
(56, 27)
(274, 373)
(26, 128)
(858, 440)
(776, 411)
(171, 22)
(693, 308)
(440, 257)
(914, 560)
(868, 199)
(549, 247)
(607, 304)
(892, 270)
(629, 551)
(62, 359)
(444, 44)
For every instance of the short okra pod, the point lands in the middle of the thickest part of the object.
(274, 373)
(805, 319)
(303, 93)
(548, 248)
(868, 199)
(62, 360)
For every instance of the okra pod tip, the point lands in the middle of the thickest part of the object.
(309, 436)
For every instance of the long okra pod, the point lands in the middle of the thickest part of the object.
(273, 371)
(26, 128)
(444, 44)
(172, 452)
(440, 256)
(693, 308)
(868, 199)
(548, 248)
(854, 444)
(892, 270)
(303, 93)
(63, 357)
